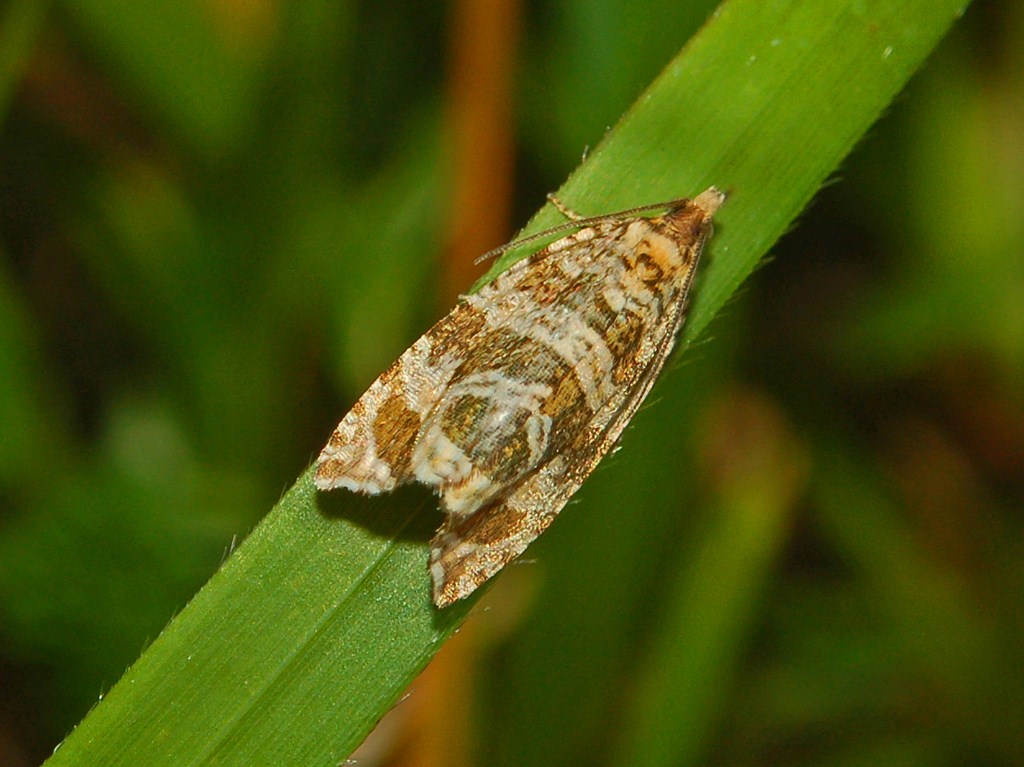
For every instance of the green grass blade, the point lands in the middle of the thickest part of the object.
(313, 628)
(290, 653)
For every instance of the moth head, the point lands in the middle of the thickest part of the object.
(685, 227)
(690, 221)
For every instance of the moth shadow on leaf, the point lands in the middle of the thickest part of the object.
(410, 513)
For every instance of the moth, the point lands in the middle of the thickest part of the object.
(508, 403)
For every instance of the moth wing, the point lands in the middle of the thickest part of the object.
(468, 551)
(371, 449)
(466, 554)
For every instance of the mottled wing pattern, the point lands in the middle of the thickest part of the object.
(508, 403)
(371, 449)
(467, 552)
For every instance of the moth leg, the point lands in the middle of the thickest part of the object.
(564, 209)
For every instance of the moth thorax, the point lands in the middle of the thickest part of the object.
(651, 268)
(690, 223)
(661, 259)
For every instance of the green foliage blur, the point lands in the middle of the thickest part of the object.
(220, 220)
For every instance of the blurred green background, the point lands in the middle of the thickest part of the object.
(220, 220)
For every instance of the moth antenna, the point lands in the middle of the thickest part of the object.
(576, 223)
(564, 209)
